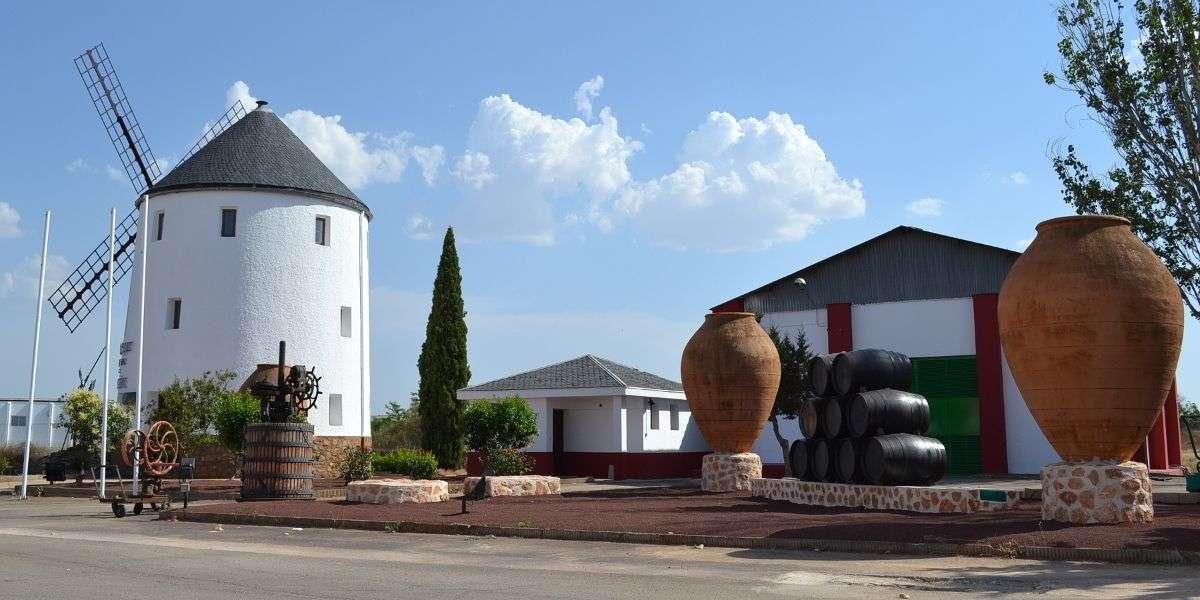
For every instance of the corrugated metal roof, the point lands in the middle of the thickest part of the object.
(259, 152)
(587, 371)
(903, 264)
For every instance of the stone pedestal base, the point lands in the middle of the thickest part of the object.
(515, 485)
(1109, 492)
(725, 472)
(397, 491)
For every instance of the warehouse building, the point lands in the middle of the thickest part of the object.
(932, 297)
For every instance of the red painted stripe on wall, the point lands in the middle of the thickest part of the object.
(841, 330)
(735, 305)
(1174, 445)
(993, 439)
(1158, 443)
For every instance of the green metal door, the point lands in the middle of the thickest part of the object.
(950, 384)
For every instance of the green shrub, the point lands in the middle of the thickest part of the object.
(354, 464)
(417, 464)
(231, 414)
(4, 465)
(188, 405)
(398, 428)
(508, 461)
(13, 454)
(505, 423)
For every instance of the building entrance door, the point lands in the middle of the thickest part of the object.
(557, 428)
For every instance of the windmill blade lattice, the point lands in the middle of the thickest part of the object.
(104, 88)
(232, 114)
(87, 286)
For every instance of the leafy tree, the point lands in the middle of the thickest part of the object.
(81, 418)
(500, 424)
(1150, 108)
(399, 428)
(188, 405)
(231, 414)
(793, 383)
(443, 363)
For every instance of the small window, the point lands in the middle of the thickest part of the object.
(19, 421)
(347, 322)
(674, 417)
(160, 216)
(653, 415)
(228, 222)
(322, 232)
(174, 312)
(335, 410)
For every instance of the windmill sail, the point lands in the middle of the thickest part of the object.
(116, 114)
(87, 286)
(232, 114)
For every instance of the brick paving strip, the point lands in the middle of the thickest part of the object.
(679, 517)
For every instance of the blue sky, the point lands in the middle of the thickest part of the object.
(586, 228)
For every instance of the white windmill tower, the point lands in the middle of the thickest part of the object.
(252, 240)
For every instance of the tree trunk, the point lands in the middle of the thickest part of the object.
(783, 444)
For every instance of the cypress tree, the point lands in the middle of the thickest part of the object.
(443, 364)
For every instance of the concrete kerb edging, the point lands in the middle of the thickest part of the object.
(1131, 556)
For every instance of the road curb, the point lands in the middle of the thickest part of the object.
(1129, 556)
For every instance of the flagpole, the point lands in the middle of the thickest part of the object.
(112, 234)
(137, 402)
(37, 339)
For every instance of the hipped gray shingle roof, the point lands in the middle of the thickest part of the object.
(259, 152)
(584, 372)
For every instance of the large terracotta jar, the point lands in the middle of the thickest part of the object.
(1091, 322)
(730, 375)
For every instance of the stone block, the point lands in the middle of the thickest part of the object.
(515, 485)
(397, 491)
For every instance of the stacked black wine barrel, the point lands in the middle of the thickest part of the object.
(864, 426)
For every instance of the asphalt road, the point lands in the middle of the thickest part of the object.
(66, 549)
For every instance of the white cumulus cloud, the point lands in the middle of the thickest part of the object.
(587, 92)
(359, 158)
(79, 165)
(741, 184)
(418, 227)
(1018, 178)
(22, 280)
(10, 221)
(926, 207)
(520, 162)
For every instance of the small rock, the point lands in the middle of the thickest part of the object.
(218, 528)
(903, 596)
(297, 529)
(699, 546)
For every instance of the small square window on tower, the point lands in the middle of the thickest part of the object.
(174, 312)
(335, 410)
(347, 321)
(228, 222)
(159, 217)
(322, 231)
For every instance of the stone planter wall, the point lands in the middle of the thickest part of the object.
(515, 485)
(880, 497)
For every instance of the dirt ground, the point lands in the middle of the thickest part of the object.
(695, 512)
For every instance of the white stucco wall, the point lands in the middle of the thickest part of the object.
(244, 294)
(589, 424)
(1028, 448)
(686, 438)
(917, 328)
(813, 323)
(767, 447)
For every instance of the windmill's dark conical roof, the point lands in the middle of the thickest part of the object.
(259, 152)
